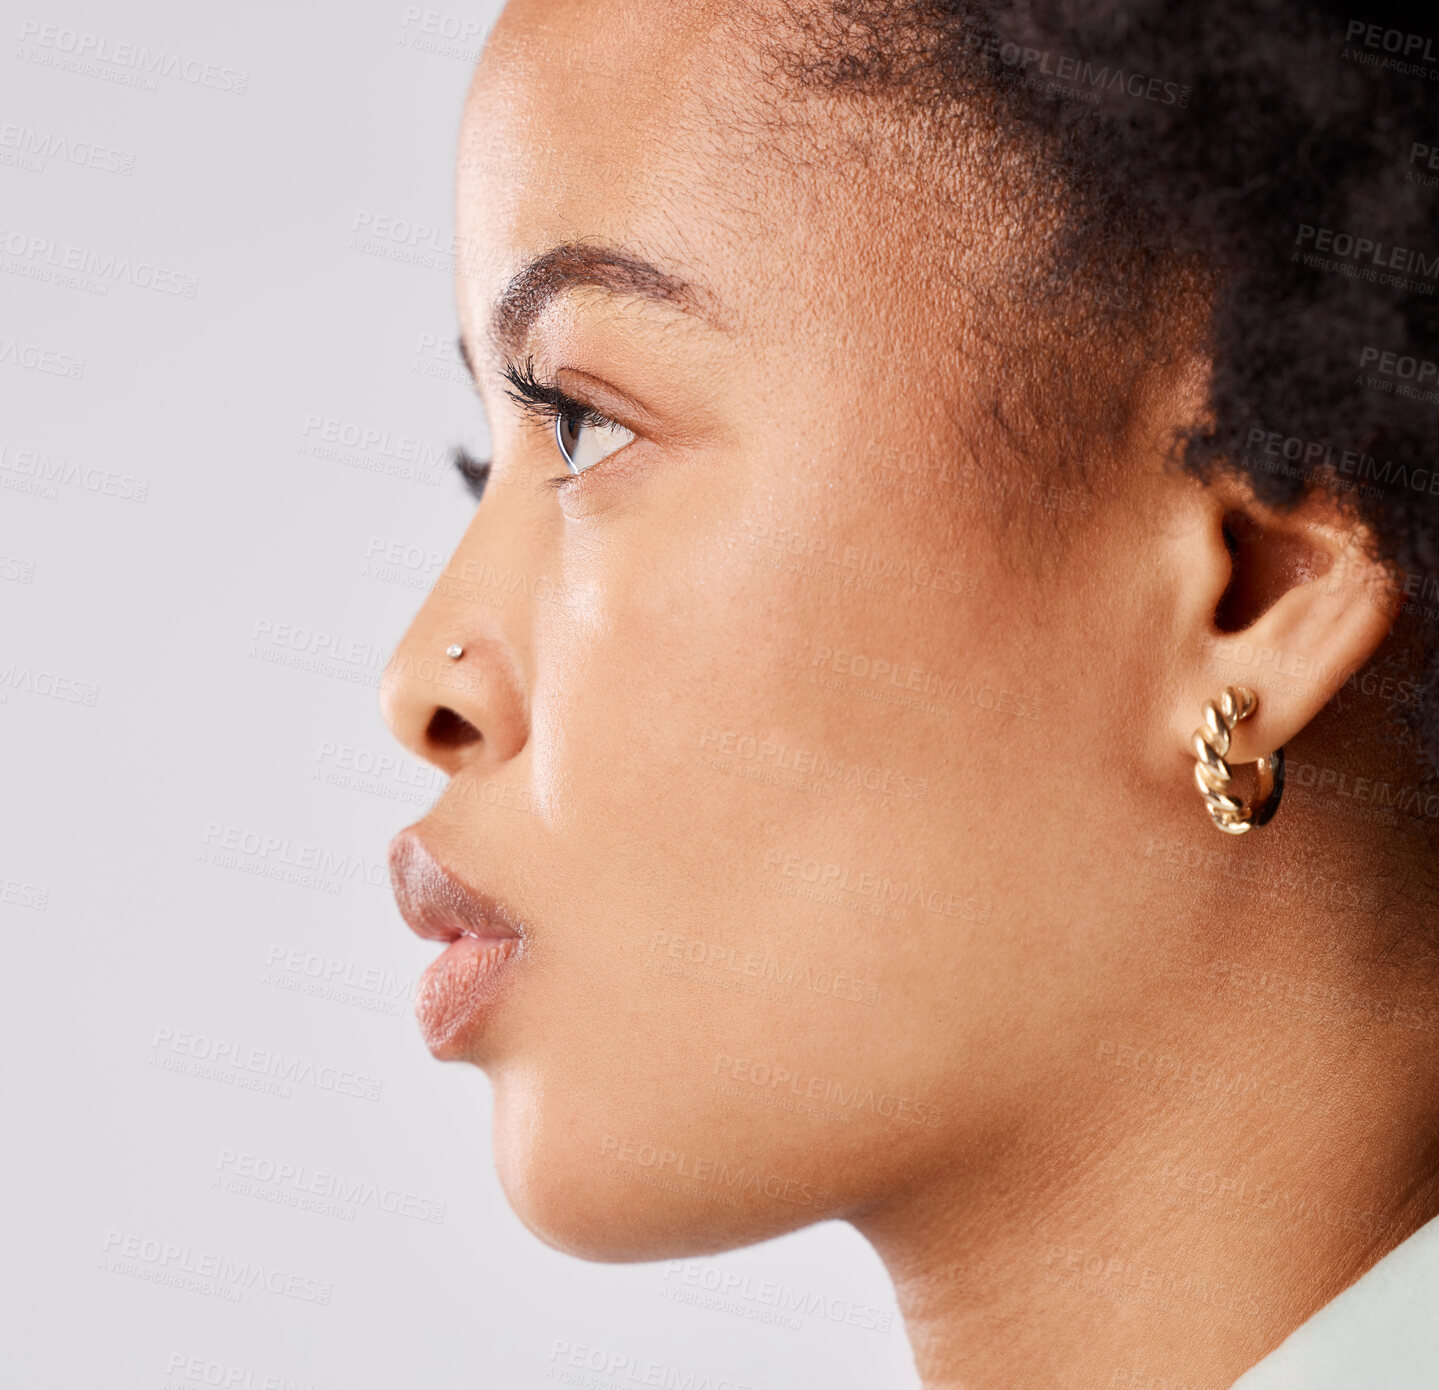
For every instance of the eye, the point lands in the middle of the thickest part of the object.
(587, 438)
(583, 435)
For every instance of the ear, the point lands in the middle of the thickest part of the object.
(1290, 604)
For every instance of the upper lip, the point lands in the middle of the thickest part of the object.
(438, 904)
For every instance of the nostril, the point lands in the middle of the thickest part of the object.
(450, 730)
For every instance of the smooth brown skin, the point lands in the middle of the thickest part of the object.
(1040, 1138)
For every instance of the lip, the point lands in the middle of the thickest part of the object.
(459, 990)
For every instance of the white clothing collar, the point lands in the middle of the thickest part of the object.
(1382, 1330)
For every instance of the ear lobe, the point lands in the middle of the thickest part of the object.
(1305, 605)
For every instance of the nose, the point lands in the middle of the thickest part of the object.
(454, 691)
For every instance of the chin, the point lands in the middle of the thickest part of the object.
(582, 1181)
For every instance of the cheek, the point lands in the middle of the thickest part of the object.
(755, 910)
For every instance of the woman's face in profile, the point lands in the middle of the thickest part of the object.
(820, 827)
(743, 698)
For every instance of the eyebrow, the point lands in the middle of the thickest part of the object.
(576, 266)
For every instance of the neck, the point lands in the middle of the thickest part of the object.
(1198, 1178)
(1249, 1183)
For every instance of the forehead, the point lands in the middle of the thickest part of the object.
(608, 121)
(661, 129)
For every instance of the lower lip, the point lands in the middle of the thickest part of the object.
(459, 990)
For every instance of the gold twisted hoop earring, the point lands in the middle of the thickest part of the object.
(1211, 772)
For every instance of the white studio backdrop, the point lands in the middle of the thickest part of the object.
(228, 389)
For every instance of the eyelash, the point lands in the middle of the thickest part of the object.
(547, 403)
(474, 472)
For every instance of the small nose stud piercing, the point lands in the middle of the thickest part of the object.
(454, 651)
